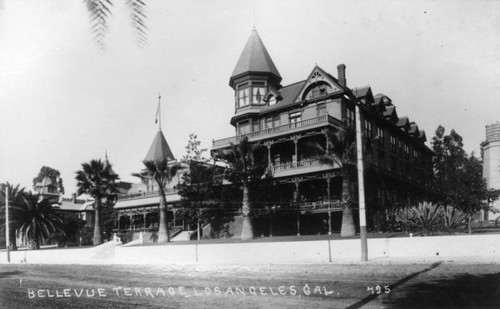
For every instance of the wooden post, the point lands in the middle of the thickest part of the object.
(297, 204)
(7, 232)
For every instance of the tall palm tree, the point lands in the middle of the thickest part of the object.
(15, 194)
(97, 179)
(36, 219)
(246, 165)
(341, 151)
(162, 172)
(101, 10)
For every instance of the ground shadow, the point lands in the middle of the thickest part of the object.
(463, 291)
(6, 274)
(371, 297)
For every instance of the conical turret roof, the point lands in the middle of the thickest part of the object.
(255, 59)
(159, 149)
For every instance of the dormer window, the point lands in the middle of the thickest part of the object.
(272, 100)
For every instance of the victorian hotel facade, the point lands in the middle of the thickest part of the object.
(287, 120)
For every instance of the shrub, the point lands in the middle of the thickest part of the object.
(454, 219)
(426, 217)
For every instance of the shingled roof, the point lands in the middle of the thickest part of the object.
(159, 149)
(254, 59)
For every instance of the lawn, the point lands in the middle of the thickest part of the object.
(440, 285)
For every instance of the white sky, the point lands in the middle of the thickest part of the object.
(64, 102)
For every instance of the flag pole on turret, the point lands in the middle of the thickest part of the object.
(158, 112)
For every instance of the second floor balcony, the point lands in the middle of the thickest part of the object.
(289, 128)
(300, 167)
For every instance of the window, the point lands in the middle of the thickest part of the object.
(256, 126)
(317, 89)
(244, 127)
(268, 123)
(295, 117)
(258, 94)
(368, 129)
(350, 117)
(321, 109)
(243, 99)
(380, 136)
(393, 144)
(276, 121)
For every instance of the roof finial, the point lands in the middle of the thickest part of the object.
(253, 7)
(158, 112)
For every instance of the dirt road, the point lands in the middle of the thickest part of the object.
(432, 285)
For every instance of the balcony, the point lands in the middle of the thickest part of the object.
(289, 128)
(299, 167)
(142, 199)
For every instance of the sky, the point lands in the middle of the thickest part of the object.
(65, 101)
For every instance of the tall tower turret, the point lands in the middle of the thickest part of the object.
(254, 77)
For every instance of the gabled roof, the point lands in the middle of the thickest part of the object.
(159, 149)
(313, 80)
(422, 136)
(254, 58)
(404, 123)
(414, 129)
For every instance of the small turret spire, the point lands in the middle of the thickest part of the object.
(158, 112)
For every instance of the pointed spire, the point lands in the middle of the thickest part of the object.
(159, 149)
(107, 165)
(255, 59)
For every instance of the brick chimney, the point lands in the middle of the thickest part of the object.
(341, 75)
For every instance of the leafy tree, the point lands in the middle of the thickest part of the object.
(52, 174)
(162, 173)
(340, 151)
(99, 181)
(36, 219)
(193, 151)
(204, 198)
(15, 194)
(247, 163)
(458, 179)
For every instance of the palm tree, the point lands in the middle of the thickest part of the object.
(97, 179)
(15, 194)
(36, 219)
(101, 10)
(341, 151)
(245, 166)
(162, 172)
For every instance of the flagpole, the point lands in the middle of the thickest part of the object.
(159, 112)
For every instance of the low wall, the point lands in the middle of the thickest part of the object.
(317, 251)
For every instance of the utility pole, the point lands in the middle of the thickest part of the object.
(361, 187)
(7, 234)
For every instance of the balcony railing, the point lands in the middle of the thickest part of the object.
(325, 119)
(292, 165)
(144, 194)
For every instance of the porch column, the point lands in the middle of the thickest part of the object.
(118, 220)
(131, 219)
(144, 218)
(297, 204)
(271, 223)
(296, 141)
(269, 164)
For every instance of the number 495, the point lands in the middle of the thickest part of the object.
(378, 289)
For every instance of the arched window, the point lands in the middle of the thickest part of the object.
(317, 89)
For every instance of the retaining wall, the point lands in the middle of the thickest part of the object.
(317, 251)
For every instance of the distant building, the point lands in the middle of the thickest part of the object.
(286, 119)
(138, 205)
(491, 164)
